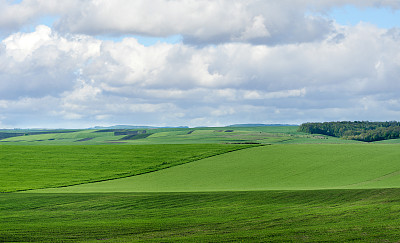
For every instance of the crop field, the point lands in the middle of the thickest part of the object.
(33, 167)
(279, 167)
(290, 186)
(257, 216)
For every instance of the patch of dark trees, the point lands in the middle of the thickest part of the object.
(119, 133)
(83, 139)
(358, 130)
(4, 135)
(244, 143)
(135, 136)
(111, 130)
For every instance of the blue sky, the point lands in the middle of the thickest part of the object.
(383, 17)
(77, 64)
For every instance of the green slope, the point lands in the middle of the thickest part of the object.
(72, 138)
(33, 167)
(261, 216)
(274, 167)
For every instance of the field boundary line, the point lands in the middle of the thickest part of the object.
(388, 175)
(146, 172)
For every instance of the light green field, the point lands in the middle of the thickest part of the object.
(389, 141)
(33, 167)
(274, 167)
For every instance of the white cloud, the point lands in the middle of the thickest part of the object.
(42, 62)
(13, 16)
(199, 21)
(269, 62)
(254, 94)
(256, 30)
(20, 46)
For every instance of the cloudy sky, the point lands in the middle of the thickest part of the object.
(82, 63)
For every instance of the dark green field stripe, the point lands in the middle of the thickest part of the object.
(260, 216)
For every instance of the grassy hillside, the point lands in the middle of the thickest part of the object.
(389, 141)
(32, 167)
(274, 167)
(263, 216)
(302, 188)
(72, 138)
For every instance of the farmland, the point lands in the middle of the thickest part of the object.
(279, 167)
(33, 167)
(262, 135)
(317, 215)
(203, 184)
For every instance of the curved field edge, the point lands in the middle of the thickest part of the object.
(368, 215)
(36, 167)
(275, 167)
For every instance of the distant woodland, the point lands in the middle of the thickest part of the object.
(358, 130)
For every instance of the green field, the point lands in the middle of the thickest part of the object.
(274, 167)
(389, 141)
(295, 187)
(263, 216)
(33, 167)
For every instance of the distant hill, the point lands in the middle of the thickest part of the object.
(259, 125)
(132, 127)
(121, 127)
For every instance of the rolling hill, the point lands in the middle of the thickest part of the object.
(255, 184)
(275, 167)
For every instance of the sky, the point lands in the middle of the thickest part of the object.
(86, 63)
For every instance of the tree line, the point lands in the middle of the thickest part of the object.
(358, 130)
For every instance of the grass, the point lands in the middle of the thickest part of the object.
(292, 191)
(274, 167)
(260, 216)
(389, 141)
(33, 167)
